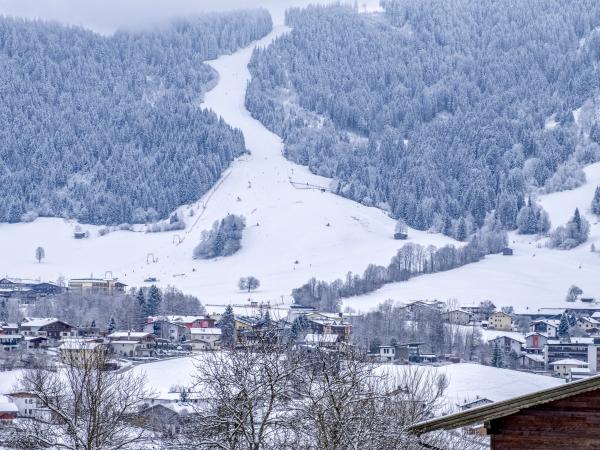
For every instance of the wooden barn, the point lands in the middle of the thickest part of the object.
(567, 416)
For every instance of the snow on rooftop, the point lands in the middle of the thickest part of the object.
(128, 334)
(313, 338)
(569, 362)
(205, 331)
(38, 321)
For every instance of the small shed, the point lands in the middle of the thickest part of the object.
(507, 251)
(400, 236)
(566, 416)
(79, 234)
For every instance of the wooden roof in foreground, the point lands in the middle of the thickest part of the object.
(506, 407)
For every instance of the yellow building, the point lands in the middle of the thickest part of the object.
(500, 321)
(108, 285)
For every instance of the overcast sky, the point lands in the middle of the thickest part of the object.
(105, 16)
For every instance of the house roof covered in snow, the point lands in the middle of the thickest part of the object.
(37, 322)
(505, 408)
(569, 362)
(129, 335)
(205, 331)
(314, 338)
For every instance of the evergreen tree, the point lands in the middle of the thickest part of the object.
(153, 301)
(563, 327)
(461, 230)
(596, 201)
(227, 326)
(299, 325)
(141, 308)
(497, 360)
(3, 310)
(112, 326)
(183, 396)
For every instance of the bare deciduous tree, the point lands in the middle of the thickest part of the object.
(84, 406)
(248, 394)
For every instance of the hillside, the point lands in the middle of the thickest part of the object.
(534, 277)
(108, 130)
(420, 111)
(287, 240)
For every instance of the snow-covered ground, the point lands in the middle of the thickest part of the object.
(534, 277)
(468, 381)
(293, 234)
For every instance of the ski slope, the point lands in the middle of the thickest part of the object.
(534, 277)
(293, 233)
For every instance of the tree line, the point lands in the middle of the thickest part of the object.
(410, 261)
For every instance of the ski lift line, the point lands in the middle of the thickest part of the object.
(206, 200)
(308, 186)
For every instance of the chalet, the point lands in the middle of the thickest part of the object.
(535, 342)
(296, 311)
(205, 338)
(479, 312)
(331, 341)
(387, 353)
(35, 342)
(507, 251)
(532, 361)
(77, 351)
(547, 326)
(500, 321)
(589, 324)
(8, 411)
(508, 344)
(29, 405)
(457, 316)
(10, 342)
(9, 328)
(132, 343)
(164, 418)
(163, 329)
(566, 416)
(330, 323)
(420, 308)
(105, 285)
(27, 289)
(50, 328)
(562, 367)
(411, 352)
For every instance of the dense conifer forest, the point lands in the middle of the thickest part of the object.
(440, 111)
(109, 129)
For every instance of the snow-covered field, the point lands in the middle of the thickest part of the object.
(468, 381)
(293, 234)
(534, 277)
